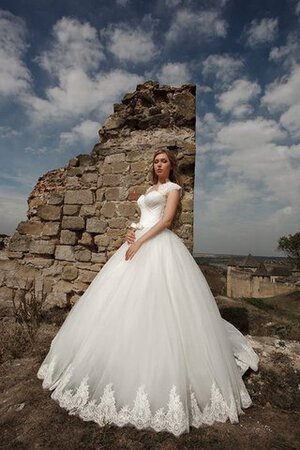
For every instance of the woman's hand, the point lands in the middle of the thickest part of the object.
(131, 251)
(130, 237)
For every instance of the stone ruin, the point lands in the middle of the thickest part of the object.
(78, 215)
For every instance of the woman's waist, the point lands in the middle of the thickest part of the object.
(143, 226)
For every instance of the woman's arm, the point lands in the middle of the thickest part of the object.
(165, 222)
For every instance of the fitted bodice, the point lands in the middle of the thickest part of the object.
(152, 203)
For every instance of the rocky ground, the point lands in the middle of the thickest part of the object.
(30, 419)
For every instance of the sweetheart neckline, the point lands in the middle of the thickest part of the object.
(147, 193)
(157, 190)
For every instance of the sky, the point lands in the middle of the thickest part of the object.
(64, 63)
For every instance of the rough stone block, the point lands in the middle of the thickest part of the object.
(63, 286)
(51, 229)
(49, 212)
(68, 237)
(100, 181)
(187, 203)
(186, 217)
(19, 243)
(37, 262)
(70, 273)
(6, 294)
(86, 276)
(42, 247)
(55, 199)
(112, 193)
(94, 225)
(119, 167)
(99, 258)
(87, 210)
(108, 209)
(118, 222)
(89, 177)
(32, 228)
(14, 255)
(105, 169)
(56, 298)
(64, 253)
(126, 209)
(83, 255)
(72, 223)
(111, 179)
(100, 194)
(79, 197)
(139, 166)
(73, 182)
(71, 210)
(114, 158)
(86, 239)
(101, 240)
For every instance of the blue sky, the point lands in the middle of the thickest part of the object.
(64, 63)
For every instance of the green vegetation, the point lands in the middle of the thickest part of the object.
(291, 246)
(259, 303)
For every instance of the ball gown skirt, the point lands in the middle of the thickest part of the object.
(146, 345)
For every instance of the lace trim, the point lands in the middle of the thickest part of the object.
(245, 358)
(164, 188)
(172, 419)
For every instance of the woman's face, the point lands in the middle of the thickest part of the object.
(162, 165)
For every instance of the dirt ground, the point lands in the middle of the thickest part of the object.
(30, 419)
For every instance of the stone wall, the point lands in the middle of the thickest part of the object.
(78, 215)
(242, 284)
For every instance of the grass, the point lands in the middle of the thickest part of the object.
(259, 303)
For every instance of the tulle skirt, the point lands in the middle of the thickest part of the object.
(146, 346)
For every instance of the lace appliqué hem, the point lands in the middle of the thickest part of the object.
(171, 418)
(245, 358)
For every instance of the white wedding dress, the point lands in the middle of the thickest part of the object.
(145, 345)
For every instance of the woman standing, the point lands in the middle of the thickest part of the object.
(145, 345)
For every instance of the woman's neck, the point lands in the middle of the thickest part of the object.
(162, 181)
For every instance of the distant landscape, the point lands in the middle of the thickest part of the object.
(221, 260)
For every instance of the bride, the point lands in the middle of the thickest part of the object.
(146, 345)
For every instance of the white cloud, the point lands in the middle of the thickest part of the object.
(223, 67)
(291, 120)
(8, 132)
(297, 9)
(74, 57)
(85, 132)
(284, 92)
(256, 154)
(77, 94)
(236, 99)
(262, 32)
(252, 190)
(75, 45)
(248, 135)
(207, 128)
(284, 96)
(15, 78)
(203, 24)
(288, 54)
(79, 87)
(174, 74)
(130, 44)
